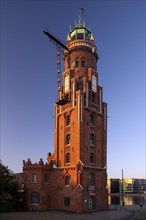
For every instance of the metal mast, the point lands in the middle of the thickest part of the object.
(122, 188)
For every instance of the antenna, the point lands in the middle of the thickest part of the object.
(81, 12)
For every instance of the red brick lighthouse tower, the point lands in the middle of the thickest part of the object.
(75, 177)
(80, 129)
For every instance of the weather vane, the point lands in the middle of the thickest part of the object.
(81, 12)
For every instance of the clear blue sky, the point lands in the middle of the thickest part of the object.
(29, 85)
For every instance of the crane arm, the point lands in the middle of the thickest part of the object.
(56, 41)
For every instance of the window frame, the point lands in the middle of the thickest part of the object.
(67, 157)
(92, 139)
(79, 83)
(92, 158)
(92, 122)
(77, 64)
(35, 178)
(94, 83)
(35, 198)
(80, 36)
(66, 83)
(83, 63)
(67, 201)
(67, 139)
(67, 180)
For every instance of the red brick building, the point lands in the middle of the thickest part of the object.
(75, 176)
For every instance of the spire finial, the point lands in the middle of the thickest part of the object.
(81, 12)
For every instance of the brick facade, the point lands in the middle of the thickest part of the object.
(74, 178)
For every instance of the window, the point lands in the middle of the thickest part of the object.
(66, 83)
(35, 177)
(93, 97)
(92, 120)
(79, 83)
(35, 198)
(68, 139)
(73, 37)
(66, 201)
(77, 64)
(91, 158)
(88, 36)
(91, 139)
(68, 120)
(46, 177)
(92, 179)
(66, 180)
(83, 63)
(67, 158)
(94, 83)
(80, 36)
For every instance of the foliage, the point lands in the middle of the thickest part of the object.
(8, 189)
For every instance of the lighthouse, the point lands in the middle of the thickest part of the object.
(76, 173)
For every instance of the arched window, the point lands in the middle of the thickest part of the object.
(67, 180)
(35, 177)
(79, 83)
(83, 63)
(67, 158)
(92, 179)
(92, 120)
(35, 198)
(68, 120)
(92, 158)
(68, 139)
(92, 139)
(76, 64)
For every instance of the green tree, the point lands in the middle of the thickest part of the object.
(8, 190)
